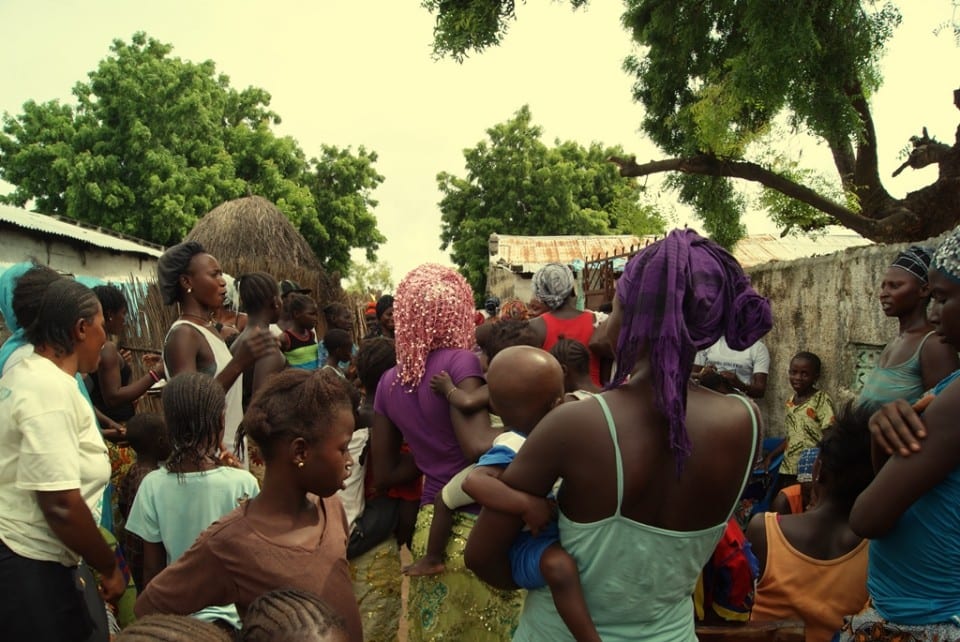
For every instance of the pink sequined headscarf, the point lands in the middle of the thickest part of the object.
(433, 309)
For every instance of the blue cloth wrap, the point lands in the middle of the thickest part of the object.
(525, 554)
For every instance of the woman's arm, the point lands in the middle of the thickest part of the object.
(473, 431)
(154, 560)
(67, 514)
(271, 364)
(903, 480)
(535, 469)
(390, 466)
(108, 374)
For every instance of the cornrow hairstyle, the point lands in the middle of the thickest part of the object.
(28, 294)
(572, 354)
(293, 403)
(376, 356)
(433, 310)
(193, 406)
(278, 614)
(111, 299)
(257, 291)
(297, 303)
(145, 431)
(172, 628)
(172, 264)
(64, 302)
(336, 338)
(812, 358)
(507, 333)
(845, 454)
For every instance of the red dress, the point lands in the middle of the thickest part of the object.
(579, 328)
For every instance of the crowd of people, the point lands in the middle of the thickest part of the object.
(556, 473)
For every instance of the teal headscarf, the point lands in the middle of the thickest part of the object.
(8, 281)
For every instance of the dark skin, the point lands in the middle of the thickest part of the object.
(905, 298)
(65, 511)
(726, 381)
(905, 470)
(720, 430)
(111, 361)
(202, 291)
(803, 376)
(823, 532)
(274, 361)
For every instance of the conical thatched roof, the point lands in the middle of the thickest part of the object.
(251, 234)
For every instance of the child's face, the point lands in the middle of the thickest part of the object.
(802, 375)
(328, 461)
(944, 312)
(307, 318)
(343, 354)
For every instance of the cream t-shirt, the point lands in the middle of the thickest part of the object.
(49, 441)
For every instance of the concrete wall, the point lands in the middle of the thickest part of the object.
(830, 306)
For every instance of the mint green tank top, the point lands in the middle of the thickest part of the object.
(637, 579)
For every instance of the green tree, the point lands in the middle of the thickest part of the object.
(369, 279)
(515, 184)
(713, 79)
(154, 142)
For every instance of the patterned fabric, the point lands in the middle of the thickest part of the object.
(915, 260)
(553, 284)
(727, 585)
(122, 459)
(457, 605)
(376, 582)
(947, 258)
(868, 626)
(805, 424)
(805, 466)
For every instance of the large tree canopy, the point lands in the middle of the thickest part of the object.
(714, 78)
(154, 142)
(515, 184)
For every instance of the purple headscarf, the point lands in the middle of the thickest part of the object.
(678, 296)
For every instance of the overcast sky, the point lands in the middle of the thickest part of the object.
(359, 72)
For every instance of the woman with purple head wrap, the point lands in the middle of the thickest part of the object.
(653, 466)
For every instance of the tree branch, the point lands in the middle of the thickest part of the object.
(868, 185)
(712, 166)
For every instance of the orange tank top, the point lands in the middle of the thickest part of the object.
(794, 495)
(819, 592)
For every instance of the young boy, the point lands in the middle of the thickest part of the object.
(524, 384)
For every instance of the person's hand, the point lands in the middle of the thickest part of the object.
(152, 361)
(538, 513)
(254, 345)
(441, 383)
(112, 585)
(897, 427)
(729, 375)
(126, 355)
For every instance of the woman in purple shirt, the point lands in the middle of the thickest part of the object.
(433, 313)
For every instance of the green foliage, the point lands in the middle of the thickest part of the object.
(713, 75)
(154, 142)
(369, 280)
(515, 184)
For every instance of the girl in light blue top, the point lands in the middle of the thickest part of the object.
(651, 468)
(178, 501)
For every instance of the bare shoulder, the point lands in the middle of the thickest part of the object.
(721, 419)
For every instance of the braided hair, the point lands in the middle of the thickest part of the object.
(376, 356)
(293, 403)
(111, 299)
(297, 303)
(172, 628)
(28, 294)
(433, 310)
(257, 291)
(64, 302)
(507, 333)
(572, 354)
(278, 614)
(193, 406)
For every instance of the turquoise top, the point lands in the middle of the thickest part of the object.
(914, 570)
(904, 381)
(637, 579)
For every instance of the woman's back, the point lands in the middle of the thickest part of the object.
(639, 557)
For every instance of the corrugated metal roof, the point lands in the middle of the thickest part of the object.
(527, 254)
(530, 253)
(66, 228)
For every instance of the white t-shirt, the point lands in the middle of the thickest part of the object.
(49, 441)
(745, 363)
(352, 493)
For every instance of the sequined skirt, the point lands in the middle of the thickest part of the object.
(377, 583)
(457, 605)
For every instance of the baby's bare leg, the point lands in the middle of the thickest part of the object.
(560, 571)
(440, 528)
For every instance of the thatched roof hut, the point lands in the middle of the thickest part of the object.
(251, 234)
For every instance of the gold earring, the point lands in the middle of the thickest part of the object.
(299, 464)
